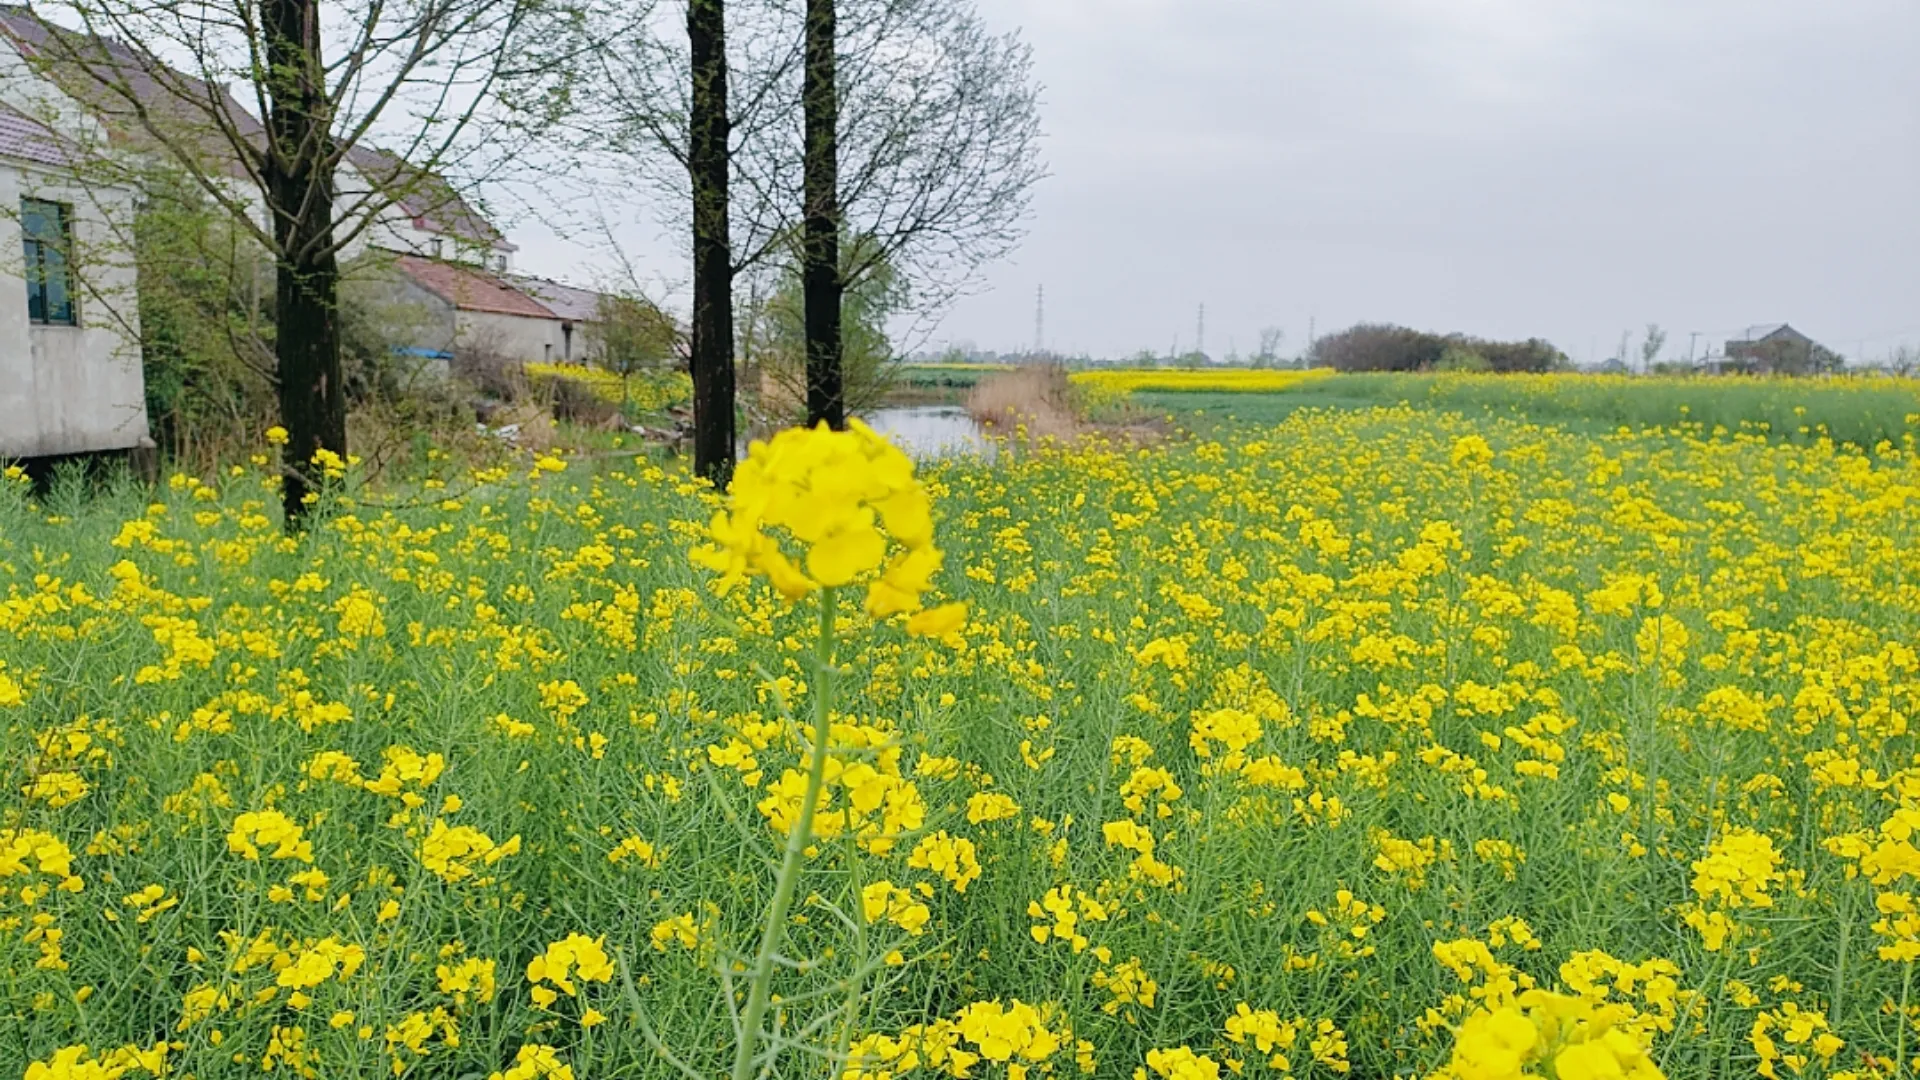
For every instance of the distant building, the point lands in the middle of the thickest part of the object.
(576, 308)
(1777, 349)
(1760, 337)
(470, 309)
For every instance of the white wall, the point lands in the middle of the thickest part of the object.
(530, 341)
(392, 230)
(26, 92)
(70, 389)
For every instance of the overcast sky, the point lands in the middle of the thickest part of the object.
(1567, 169)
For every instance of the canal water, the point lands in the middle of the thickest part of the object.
(931, 431)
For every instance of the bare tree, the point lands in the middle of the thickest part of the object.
(820, 235)
(936, 152)
(708, 132)
(937, 136)
(1651, 346)
(443, 84)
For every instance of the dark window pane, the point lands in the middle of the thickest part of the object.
(34, 219)
(45, 240)
(59, 296)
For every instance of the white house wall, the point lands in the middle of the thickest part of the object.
(393, 230)
(530, 341)
(70, 389)
(26, 92)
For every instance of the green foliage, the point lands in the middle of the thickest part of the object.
(205, 304)
(779, 347)
(206, 299)
(631, 336)
(1461, 357)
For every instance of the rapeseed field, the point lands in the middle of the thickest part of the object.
(1119, 382)
(1372, 743)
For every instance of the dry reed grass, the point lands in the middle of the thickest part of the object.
(1037, 399)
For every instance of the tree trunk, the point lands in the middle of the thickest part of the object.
(708, 163)
(313, 398)
(820, 244)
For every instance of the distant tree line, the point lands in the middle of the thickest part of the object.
(1385, 347)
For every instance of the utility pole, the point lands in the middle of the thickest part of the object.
(1692, 337)
(1200, 333)
(1040, 322)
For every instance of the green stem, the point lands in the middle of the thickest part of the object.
(1906, 985)
(760, 990)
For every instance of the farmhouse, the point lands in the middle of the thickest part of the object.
(70, 143)
(577, 309)
(66, 78)
(470, 309)
(70, 376)
(1777, 349)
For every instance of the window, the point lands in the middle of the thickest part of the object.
(500, 263)
(46, 231)
(437, 248)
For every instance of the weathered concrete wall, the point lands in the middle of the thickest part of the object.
(71, 389)
(585, 345)
(433, 323)
(528, 340)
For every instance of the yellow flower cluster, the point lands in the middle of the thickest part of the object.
(535, 1062)
(863, 791)
(1062, 912)
(575, 956)
(885, 900)
(1549, 1035)
(455, 853)
(76, 1063)
(832, 492)
(1022, 1038)
(272, 828)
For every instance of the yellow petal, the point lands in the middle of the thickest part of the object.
(785, 576)
(938, 622)
(845, 555)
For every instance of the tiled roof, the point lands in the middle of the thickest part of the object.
(25, 139)
(426, 197)
(471, 289)
(566, 301)
(101, 73)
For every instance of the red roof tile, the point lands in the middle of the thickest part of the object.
(101, 72)
(471, 289)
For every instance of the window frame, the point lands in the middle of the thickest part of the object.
(35, 249)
